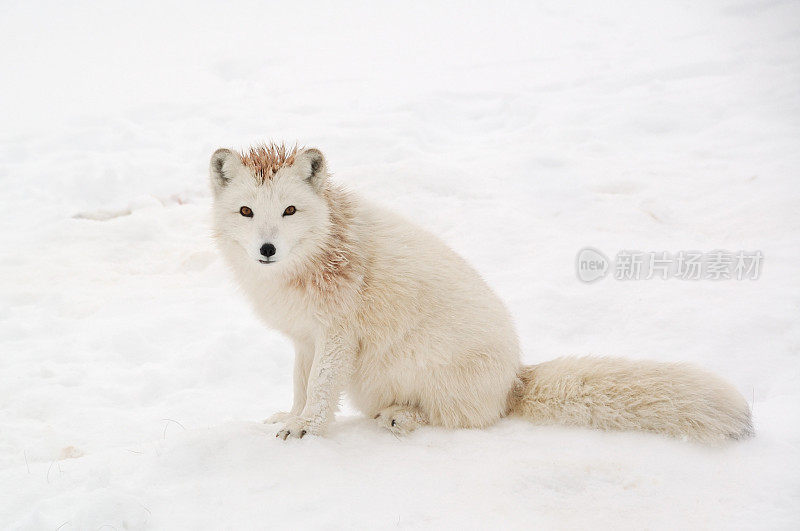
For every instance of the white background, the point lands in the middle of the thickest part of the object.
(520, 133)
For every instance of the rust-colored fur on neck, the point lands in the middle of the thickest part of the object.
(338, 263)
(266, 159)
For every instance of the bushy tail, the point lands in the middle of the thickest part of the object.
(675, 399)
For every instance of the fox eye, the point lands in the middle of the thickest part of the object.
(246, 212)
(289, 210)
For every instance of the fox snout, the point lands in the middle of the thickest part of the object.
(267, 250)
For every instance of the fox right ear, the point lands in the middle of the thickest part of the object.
(224, 164)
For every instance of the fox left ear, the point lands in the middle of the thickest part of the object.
(311, 164)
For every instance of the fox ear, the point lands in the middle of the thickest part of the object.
(224, 164)
(311, 164)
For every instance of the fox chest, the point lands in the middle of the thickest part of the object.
(285, 312)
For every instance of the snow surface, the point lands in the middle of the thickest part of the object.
(133, 377)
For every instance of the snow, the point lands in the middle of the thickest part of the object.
(133, 376)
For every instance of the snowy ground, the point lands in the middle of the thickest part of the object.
(133, 377)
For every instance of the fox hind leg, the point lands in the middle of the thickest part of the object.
(401, 419)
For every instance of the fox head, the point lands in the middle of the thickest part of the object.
(269, 204)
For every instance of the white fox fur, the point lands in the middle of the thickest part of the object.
(385, 311)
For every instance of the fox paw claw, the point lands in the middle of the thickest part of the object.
(295, 427)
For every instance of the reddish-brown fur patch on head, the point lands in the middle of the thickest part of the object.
(266, 159)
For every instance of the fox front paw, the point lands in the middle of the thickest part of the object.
(297, 427)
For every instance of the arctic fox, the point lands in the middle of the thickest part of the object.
(384, 310)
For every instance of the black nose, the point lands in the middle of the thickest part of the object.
(267, 249)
